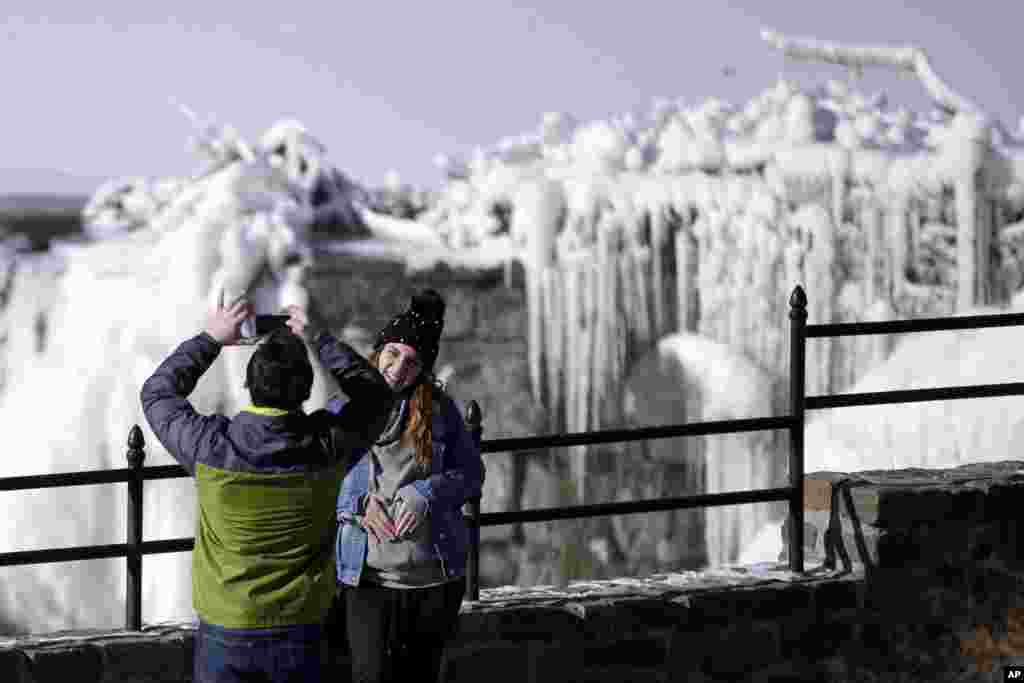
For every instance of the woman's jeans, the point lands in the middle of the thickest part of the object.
(399, 634)
(263, 655)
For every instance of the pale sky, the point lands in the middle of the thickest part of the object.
(387, 85)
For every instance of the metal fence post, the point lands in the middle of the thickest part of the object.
(797, 392)
(133, 596)
(474, 422)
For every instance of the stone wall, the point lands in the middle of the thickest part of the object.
(913, 575)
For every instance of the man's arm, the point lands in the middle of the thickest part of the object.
(363, 417)
(174, 421)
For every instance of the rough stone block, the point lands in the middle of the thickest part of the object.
(837, 593)
(690, 652)
(633, 615)
(638, 652)
(81, 663)
(764, 601)
(14, 667)
(920, 595)
(745, 646)
(931, 545)
(548, 661)
(1002, 499)
(903, 498)
(619, 674)
(521, 623)
(494, 662)
(142, 660)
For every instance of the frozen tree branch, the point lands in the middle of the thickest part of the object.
(223, 145)
(911, 59)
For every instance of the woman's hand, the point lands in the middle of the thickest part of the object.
(377, 520)
(409, 519)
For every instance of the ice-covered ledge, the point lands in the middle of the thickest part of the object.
(934, 590)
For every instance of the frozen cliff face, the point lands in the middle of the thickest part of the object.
(703, 217)
(111, 311)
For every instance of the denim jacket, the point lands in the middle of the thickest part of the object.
(456, 475)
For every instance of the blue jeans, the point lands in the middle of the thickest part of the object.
(258, 655)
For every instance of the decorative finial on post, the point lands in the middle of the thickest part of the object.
(798, 300)
(133, 588)
(136, 447)
(797, 396)
(474, 423)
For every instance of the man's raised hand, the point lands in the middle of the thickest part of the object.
(223, 324)
(298, 321)
(305, 322)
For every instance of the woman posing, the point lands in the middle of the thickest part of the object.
(402, 543)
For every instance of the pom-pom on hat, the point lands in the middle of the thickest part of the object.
(419, 326)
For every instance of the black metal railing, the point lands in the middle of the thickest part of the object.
(135, 548)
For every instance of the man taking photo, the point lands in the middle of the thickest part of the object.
(267, 483)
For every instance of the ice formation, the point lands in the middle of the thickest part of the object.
(702, 218)
(117, 309)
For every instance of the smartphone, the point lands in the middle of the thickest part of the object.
(261, 325)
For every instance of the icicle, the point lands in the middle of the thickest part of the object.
(507, 272)
(659, 237)
(641, 258)
(534, 314)
(573, 339)
(627, 285)
(873, 248)
(914, 231)
(736, 312)
(967, 151)
(613, 319)
(896, 231)
(1001, 292)
(590, 344)
(620, 330)
(686, 278)
(839, 167)
(555, 335)
(968, 241)
(600, 309)
(984, 251)
(820, 280)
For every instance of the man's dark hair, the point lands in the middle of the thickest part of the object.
(279, 374)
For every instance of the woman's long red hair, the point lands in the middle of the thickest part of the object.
(421, 416)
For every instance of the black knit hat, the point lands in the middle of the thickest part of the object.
(419, 327)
